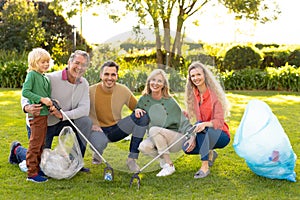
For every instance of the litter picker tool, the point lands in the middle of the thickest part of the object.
(136, 175)
(108, 173)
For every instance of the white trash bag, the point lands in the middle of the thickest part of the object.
(262, 142)
(65, 160)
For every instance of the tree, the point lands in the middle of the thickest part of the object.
(161, 11)
(28, 24)
(20, 29)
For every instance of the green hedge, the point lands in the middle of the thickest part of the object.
(240, 56)
(12, 74)
(285, 78)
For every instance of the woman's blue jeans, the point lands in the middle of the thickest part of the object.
(207, 140)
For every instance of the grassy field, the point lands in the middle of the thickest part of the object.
(230, 177)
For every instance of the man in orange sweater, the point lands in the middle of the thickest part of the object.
(107, 99)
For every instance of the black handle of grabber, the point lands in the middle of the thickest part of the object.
(54, 102)
(106, 170)
(135, 176)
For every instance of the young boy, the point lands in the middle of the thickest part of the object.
(37, 89)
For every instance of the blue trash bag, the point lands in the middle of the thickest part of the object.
(262, 142)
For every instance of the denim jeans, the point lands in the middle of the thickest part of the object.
(209, 139)
(21, 153)
(117, 132)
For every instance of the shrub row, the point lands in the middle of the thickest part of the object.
(285, 78)
(13, 73)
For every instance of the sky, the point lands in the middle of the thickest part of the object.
(215, 26)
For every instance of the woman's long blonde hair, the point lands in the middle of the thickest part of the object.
(212, 83)
(165, 89)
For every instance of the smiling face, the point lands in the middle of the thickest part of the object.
(109, 76)
(156, 83)
(76, 68)
(197, 77)
(43, 65)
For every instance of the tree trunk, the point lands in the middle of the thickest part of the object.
(159, 53)
(167, 40)
(176, 49)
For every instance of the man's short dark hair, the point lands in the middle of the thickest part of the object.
(110, 64)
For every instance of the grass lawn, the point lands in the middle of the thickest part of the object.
(230, 177)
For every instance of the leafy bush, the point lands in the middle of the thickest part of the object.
(294, 58)
(240, 57)
(275, 58)
(141, 81)
(21, 28)
(245, 79)
(92, 75)
(13, 74)
(286, 78)
(176, 81)
(129, 80)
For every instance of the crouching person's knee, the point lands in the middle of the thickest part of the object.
(147, 148)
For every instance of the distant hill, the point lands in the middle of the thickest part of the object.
(145, 35)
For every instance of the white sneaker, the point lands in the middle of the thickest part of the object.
(128, 138)
(23, 166)
(167, 170)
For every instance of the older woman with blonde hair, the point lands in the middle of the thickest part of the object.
(206, 102)
(167, 122)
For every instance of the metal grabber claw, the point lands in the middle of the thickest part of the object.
(135, 176)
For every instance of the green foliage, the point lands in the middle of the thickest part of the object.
(244, 79)
(176, 81)
(286, 78)
(239, 57)
(275, 57)
(21, 29)
(92, 75)
(141, 81)
(140, 57)
(294, 58)
(12, 55)
(102, 53)
(27, 25)
(13, 74)
(129, 46)
(59, 37)
(129, 80)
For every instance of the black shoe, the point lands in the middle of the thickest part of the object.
(12, 159)
(84, 169)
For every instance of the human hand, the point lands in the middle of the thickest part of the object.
(190, 144)
(47, 101)
(53, 111)
(96, 128)
(199, 127)
(139, 112)
(33, 109)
